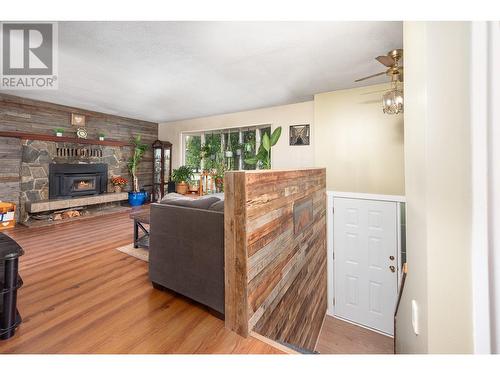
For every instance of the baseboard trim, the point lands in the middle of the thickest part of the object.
(361, 325)
(321, 329)
(273, 343)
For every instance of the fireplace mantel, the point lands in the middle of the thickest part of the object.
(53, 138)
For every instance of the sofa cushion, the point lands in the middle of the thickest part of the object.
(218, 195)
(171, 196)
(217, 206)
(201, 203)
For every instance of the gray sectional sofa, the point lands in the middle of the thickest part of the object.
(186, 253)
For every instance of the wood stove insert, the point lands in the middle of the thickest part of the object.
(73, 180)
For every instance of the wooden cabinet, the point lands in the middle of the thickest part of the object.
(162, 168)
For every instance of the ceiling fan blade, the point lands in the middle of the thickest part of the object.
(373, 75)
(385, 60)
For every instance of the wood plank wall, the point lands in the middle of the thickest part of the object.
(32, 116)
(10, 165)
(275, 276)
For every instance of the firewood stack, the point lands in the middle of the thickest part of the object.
(66, 215)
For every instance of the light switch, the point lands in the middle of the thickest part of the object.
(414, 316)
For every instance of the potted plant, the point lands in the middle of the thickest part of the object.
(263, 156)
(181, 176)
(101, 136)
(240, 148)
(220, 169)
(118, 183)
(59, 132)
(136, 197)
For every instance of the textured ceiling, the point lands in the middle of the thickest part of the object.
(164, 71)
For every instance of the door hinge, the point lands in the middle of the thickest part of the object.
(333, 301)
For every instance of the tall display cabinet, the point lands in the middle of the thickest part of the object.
(162, 168)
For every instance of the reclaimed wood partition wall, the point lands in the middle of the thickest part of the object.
(275, 254)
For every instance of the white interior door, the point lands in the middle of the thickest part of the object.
(365, 261)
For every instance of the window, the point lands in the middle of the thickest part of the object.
(231, 147)
(212, 150)
(249, 150)
(192, 152)
(232, 150)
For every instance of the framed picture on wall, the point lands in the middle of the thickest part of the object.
(78, 120)
(299, 135)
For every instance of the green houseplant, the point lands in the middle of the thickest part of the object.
(59, 132)
(101, 136)
(181, 176)
(133, 162)
(210, 152)
(220, 169)
(263, 156)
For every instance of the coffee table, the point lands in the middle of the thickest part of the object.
(140, 217)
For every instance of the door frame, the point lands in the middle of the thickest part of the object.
(331, 194)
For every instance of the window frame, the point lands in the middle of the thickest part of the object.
(237, 129)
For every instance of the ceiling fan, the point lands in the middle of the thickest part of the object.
(392, 61)
(393, 99)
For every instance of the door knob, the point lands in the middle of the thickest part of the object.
(392, 268)
(391, 257)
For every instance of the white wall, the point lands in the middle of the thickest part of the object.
(438, 188)
(415, 179)
(284, 156)
(361, 147)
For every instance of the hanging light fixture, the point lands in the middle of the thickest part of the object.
(393, 101)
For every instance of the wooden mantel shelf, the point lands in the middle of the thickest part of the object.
(53, 138)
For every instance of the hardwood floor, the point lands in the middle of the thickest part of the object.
(339, 337)
(80, 295)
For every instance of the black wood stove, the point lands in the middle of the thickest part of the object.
(73, 180)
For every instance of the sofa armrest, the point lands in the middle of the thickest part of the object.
(186, 252)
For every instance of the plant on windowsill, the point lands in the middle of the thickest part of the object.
(263, 156)
(59, 132)
(181, 176)
(136, 197)
(101, 136)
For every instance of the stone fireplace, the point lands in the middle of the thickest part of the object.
(53, 170)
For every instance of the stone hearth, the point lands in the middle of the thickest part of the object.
(61, 204)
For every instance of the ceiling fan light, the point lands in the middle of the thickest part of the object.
(393, 102)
